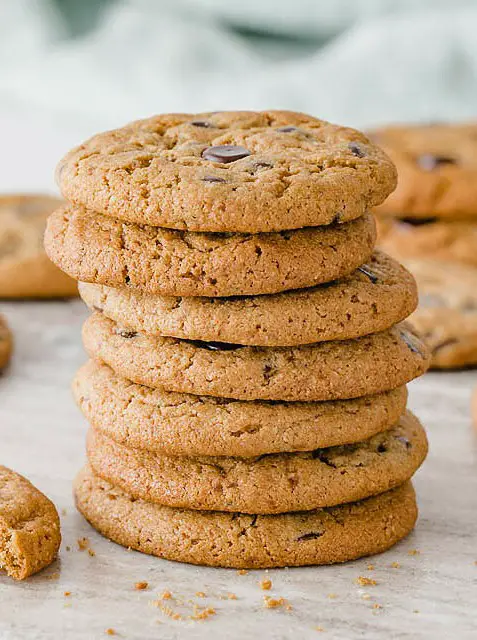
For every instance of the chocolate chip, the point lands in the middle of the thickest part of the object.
(215, 346)
(212, 179)
(368, 273)
(313, 535)
(203, 123)
(356, 150)
(409, 340)
(125, 333)
(404, 441)
(381, 448)
(288, 129)
(321, 455)
(429, 161)
(225, 153)
(417, 222)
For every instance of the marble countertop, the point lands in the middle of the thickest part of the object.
(426, 587)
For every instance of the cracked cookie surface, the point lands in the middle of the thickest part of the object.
(437, 166)
(323, 536)
(276, 483)
(185, 425)
(25, 270)
(322, 371)
(29, 527)
(96, 248)
(228, 171)
(377, 295)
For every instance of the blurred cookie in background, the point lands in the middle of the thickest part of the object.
(6, 343)
(25, 269)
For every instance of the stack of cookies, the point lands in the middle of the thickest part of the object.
(246, 388)
(430, 224)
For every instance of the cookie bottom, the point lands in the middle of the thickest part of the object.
(323, 536)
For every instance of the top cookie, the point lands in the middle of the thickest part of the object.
(238, 171)
(437, 167)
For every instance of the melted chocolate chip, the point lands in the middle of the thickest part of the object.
(215, 346)
(203, 123)
(409, 340)
(368, 273)
(404, 441)
(313, 535)
(212, 179)
(417, 222)
(381, 448)
(225, 153)
(288, 129)
(429, 161)
(356, 150)
(125, 333)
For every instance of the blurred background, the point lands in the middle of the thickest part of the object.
(69, 68)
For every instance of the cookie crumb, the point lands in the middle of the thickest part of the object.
(318, 629)
(91, 553)
(395, 565)
(166, 595)
(64, 512)
(202, 614)
(266, 584)
(377, 606)
(416, 611)
(231, 596)
(366, 596)
(83, 544)
(413, 552)
(365, 582)
(110, 632)
(68, 548)
(140, 586)
(242, 572)
(370, 567)
(200, 594)
(274, 603)
(67, 594)
(170, 613)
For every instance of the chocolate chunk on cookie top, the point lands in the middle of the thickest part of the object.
(229, 171)
(29, 527)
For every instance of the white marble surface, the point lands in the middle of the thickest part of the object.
(431, 595)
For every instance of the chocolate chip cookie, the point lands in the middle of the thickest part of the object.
(376, 296)
(177, 424)
(323, 536)
(29, 527)
(103, 250)
(275, 483)
(437, 166)
(244, 172)
(25, 270)
(322, 371)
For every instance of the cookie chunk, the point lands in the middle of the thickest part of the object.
(447, 313)
(103, 250)
(6, 343)
(276, 483)
(322, 371)
(185, 425)
(437, 166)
(323, 536)
(229, 171)
(377, 295)
(25, 270)
(29, 527)
(429, 238)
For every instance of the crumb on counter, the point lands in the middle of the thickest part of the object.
(413, 552)
(365, 582)
(110, 632)
(275, 603)
(395, 565)
(266, 584)
(242, 572)
(141, 586)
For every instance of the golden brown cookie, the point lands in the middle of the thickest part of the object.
(322, 371)
(323, 536)
(25, 270)
(437, 167)
(29, 527)
(447, 314)
(377, 295)
(448, 241)
(229, 171)
(180, 424)
(6, 343)
(100, 249)
(276, 483)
